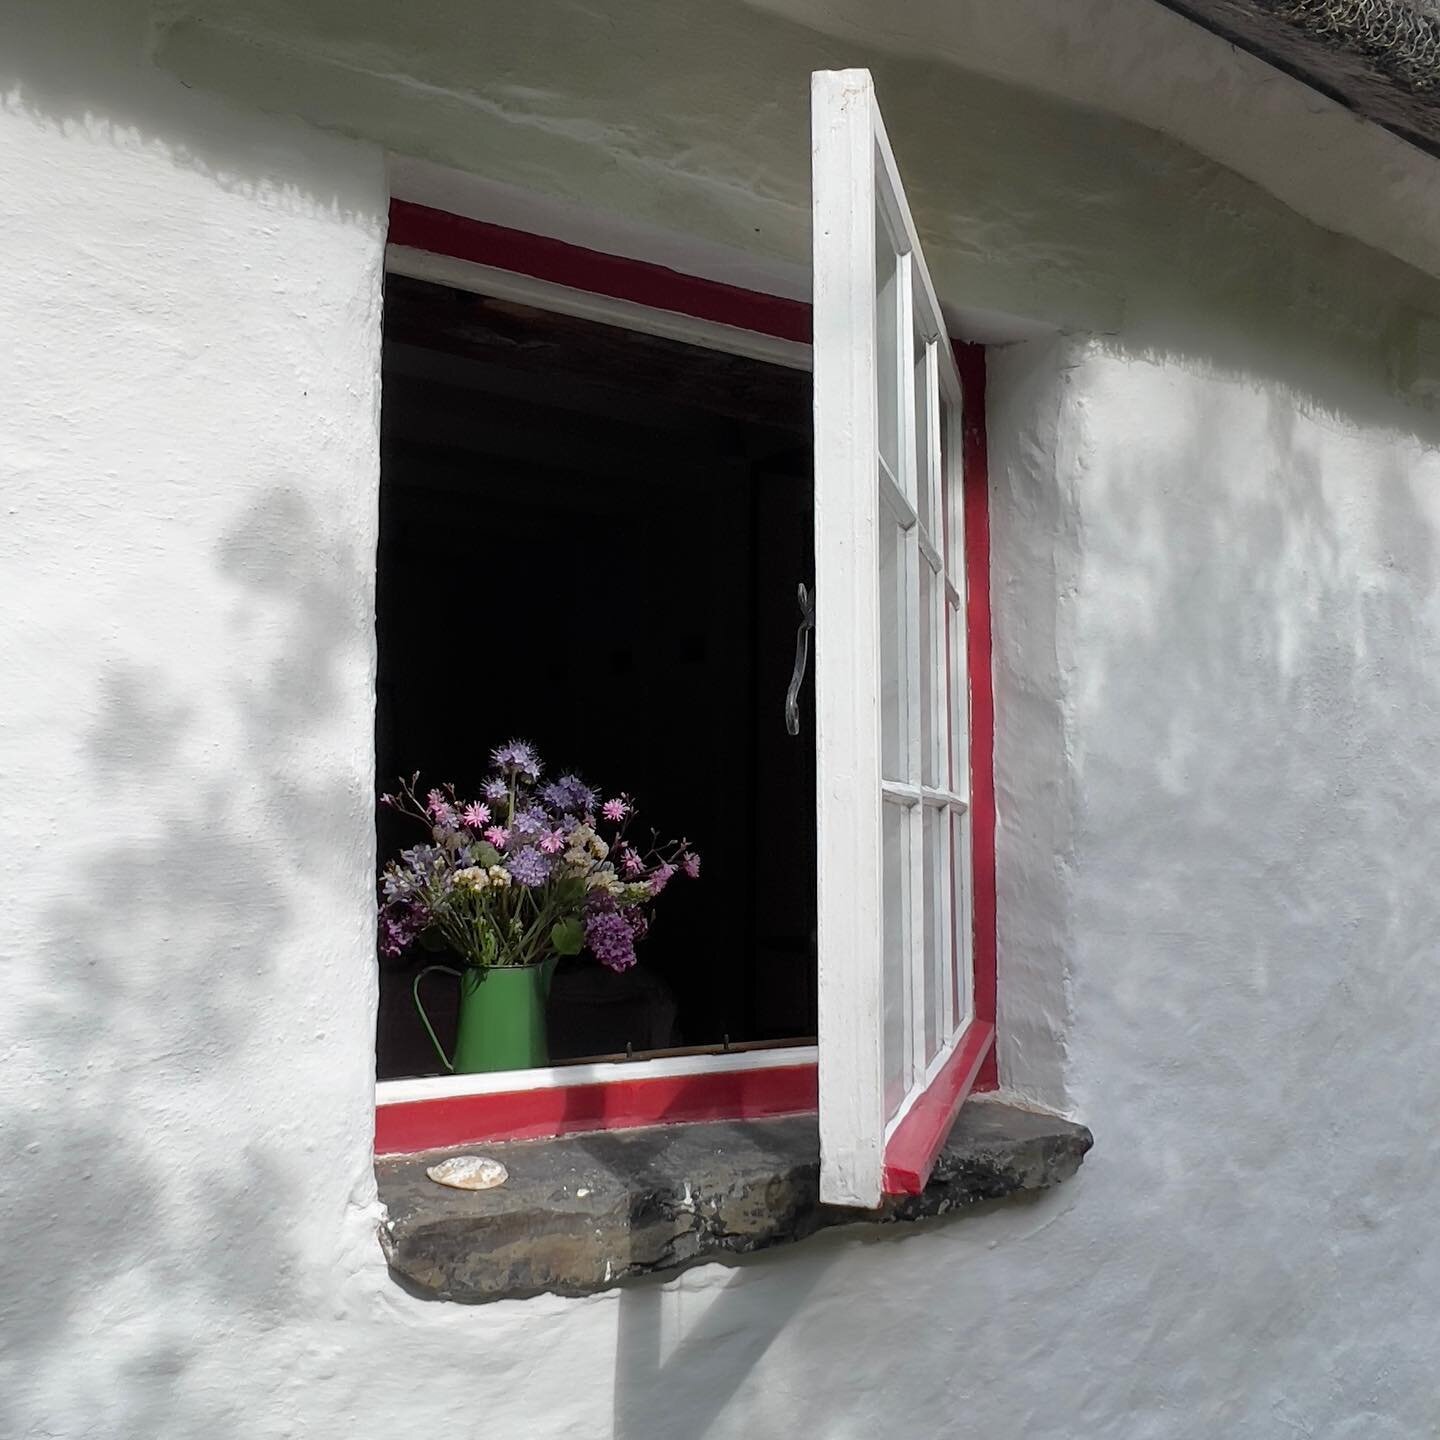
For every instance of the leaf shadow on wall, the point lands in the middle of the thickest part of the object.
(152, 1184)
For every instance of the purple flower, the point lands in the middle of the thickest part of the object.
(569, 794)
(517, 755)
(422, 858)
(530, 823)
(610, 939)
(529, 867)
(544, 837)
(399, 925)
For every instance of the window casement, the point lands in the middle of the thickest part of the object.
(892, 720)
(904, 807)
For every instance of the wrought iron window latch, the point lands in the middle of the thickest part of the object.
(802, 658)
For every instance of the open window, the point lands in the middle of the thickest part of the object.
(598, 401)
(592, 536)
(898, 1050)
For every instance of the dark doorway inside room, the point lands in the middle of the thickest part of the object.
(591, 538)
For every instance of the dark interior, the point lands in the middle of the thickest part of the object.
(591, 538)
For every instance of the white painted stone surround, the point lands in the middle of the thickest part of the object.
(1217, 546)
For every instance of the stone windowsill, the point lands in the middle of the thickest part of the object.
(580, 1213)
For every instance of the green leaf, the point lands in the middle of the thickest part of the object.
(486, 854)
(569, 892)
(567, 937)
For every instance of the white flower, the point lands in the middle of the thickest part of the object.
(598, 848)
(499, 877)
(472, 877)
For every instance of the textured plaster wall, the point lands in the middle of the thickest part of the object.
(1215, 570)
(1218, 643)
(1138, 60)
(693, 117)
(188, 461)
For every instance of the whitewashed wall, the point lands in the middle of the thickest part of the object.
(1215, 570)
(1218, 652)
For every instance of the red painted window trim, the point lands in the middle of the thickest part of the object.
(975, 493)
(417, 1125)
(910, 1155)
(421, 228)
(527, 1114)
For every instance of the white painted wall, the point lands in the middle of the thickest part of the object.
(1215, 573)
(1218, 643)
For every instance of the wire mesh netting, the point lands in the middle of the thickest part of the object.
(1401, 37)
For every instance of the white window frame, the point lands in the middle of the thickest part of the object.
(865, 501)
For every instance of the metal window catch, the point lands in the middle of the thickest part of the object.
(802, 658)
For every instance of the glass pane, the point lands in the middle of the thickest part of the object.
(931, 683)
(896, 910)
(925, 458)
(960, 962)
(894, 645)
(959, 703)
(950, 496)
(887, 357)
(937, 935)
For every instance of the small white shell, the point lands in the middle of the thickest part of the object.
(469, 1172)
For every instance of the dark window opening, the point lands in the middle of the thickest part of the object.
(591, 538)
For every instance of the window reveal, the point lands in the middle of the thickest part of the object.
(906, 980)
(591, 536)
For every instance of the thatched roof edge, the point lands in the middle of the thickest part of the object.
(1380, 58)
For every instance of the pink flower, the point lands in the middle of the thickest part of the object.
(615, 811)
(661, 878)
(498, 836)
(476, 816)
(691, 865)
(631, 863)
(552, 842)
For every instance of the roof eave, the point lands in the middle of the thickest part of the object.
(1374, 60)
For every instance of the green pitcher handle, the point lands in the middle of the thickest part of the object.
(425, 1019)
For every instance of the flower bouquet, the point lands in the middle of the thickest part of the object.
(510, 882)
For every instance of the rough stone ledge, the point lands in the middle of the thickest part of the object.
(580, 1213)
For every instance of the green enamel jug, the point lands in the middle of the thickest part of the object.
(502, 1017)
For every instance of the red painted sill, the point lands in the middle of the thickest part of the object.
(409, 1126)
